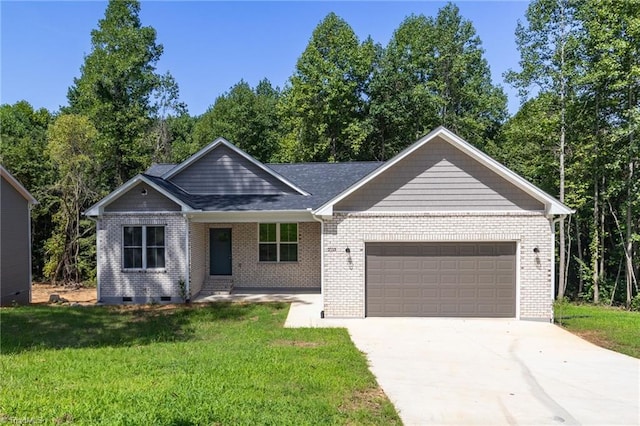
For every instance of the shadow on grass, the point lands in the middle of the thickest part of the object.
(57, 327)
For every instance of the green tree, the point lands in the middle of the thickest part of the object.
(246, 117)
(181, 128)
(167, 108)
(612, 82)
(433, 73)
(116, 90)
(527, 142)
(546, 47)
(23, 141)
(71, 247)
(325, 109)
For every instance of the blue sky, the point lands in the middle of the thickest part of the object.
(209, 46)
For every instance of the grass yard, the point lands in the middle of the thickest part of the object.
(611, 328)
(212, 364)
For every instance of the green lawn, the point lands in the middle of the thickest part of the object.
(612, 328)
(213, 364)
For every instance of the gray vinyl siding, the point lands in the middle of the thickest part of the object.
(134, 201)
(439, 177)
(224, 172)
(15, 247)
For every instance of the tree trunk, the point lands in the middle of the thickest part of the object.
(595, 243)
(562, 280)
(602, 237)
(629, 219)
(580, 258)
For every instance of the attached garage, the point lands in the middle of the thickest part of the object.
(440, 230)
(461, 279)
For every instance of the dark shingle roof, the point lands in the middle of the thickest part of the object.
(322, 181)
(159, 169)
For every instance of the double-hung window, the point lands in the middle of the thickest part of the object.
(278, 242)
(143, 247)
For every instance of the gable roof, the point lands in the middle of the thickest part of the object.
(97, 208)
(321, 180)
(552, 206)
(223, 142)
(318, 186)
(17, 185)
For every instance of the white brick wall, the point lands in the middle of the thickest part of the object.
(197, 240)
(246, 270)
(344, 279)
(142, 286)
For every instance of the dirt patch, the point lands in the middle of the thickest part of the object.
(596, 337)
(372, 400)
(40, 293)
(296, 343)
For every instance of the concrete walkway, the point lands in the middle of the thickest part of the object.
(299, 299)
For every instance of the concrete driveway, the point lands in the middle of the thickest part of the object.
(490, 372)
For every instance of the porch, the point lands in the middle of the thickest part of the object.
(232, 258)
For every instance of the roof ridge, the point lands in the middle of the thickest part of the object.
(304, 163)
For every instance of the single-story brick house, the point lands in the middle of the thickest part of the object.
(441, 229)
(15, 241)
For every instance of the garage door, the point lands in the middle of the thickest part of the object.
(441, 279)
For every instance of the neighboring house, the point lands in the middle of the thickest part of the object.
(439, 230)
(15, 241)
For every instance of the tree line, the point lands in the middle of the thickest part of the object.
(575, 134)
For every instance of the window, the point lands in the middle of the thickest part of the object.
(143, 247)
(278, 242)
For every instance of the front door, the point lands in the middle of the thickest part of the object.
(220, 251)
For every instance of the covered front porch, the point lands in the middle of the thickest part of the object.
(263, 254)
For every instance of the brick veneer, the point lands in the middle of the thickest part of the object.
(197, 240)
(344, 274)
(246, 270)
(142, 286)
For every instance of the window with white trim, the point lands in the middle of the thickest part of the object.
(143, 247)
(278, 242)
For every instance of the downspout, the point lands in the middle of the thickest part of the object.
(319, 219)
(188, 250)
